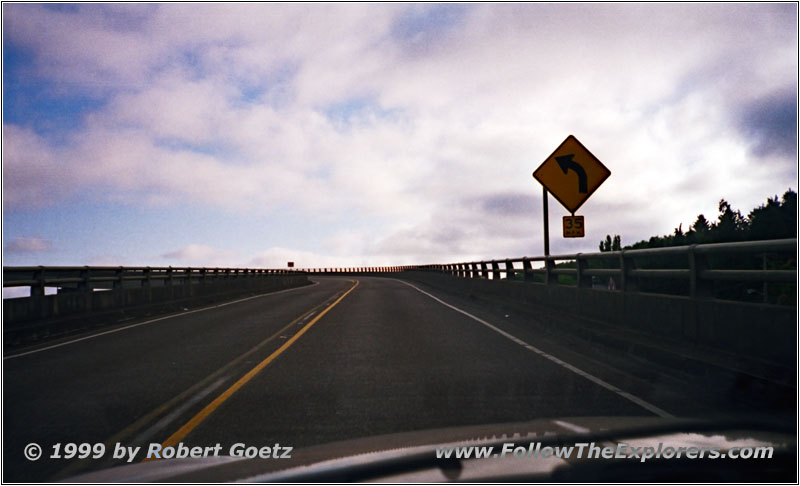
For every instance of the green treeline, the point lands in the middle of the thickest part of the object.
(776, 219)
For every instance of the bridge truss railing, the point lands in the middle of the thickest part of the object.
(698, 271)
(86, 278)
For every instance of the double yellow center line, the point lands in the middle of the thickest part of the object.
(181, 433)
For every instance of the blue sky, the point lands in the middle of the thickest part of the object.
(379, 134)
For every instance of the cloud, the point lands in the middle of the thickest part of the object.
(473, 228)
(202, 256)
(32, 174)
(770, 122)
(510, 204)
(278, 257)
(410, 130)
(28, 244)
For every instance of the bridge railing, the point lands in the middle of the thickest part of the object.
(698, 271)
(86, 278)
(356, 270)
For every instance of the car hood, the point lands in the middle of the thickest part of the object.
(411, 456)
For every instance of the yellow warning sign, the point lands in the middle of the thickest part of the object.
(571, 174)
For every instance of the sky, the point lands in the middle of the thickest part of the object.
(250, 135)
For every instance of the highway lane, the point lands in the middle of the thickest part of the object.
(95, 389)
(386, 357)
(390, 359)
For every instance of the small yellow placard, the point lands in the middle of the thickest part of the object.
(573, 227)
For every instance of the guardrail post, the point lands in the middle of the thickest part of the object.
(37, 290)
(85, 289)
(527, 269)
(118, 278)
(484, 271)
(765, 285)
(170, 282)
(187, 282)
(626, 264)
(550, 278)
(509, 270)
(83, 285)
(117, 287)
(698, 287)
(147, 283)
(581, 265)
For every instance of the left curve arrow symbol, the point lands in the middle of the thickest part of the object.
(566, 163)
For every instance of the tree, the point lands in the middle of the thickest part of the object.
(776, 219)
(701, 226)
(731, 226)
(611, 245)
(678, 237)
(606, 245)
(617, 244)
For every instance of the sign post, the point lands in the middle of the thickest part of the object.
(571, 174)
(546, 223)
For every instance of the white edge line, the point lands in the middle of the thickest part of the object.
(39, 350)
(632, 398)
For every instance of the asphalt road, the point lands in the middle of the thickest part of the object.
(342, 359)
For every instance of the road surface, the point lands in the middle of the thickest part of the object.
(341, 359)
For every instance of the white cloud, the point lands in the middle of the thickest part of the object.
(279, 257)
(366, 110)
(199, 255)
(32, 174)
(28, 244)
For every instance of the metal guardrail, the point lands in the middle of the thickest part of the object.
(625, 274)
(107, 278)
(89, 278)
(351, 270)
